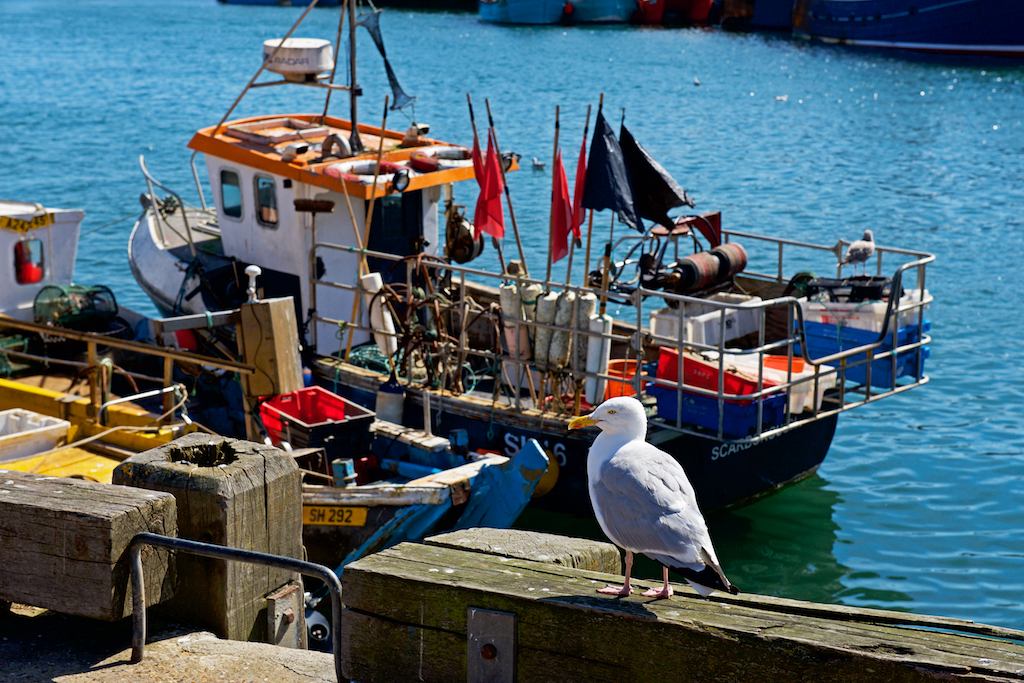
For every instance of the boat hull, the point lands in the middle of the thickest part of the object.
(723, 473)
(980, 27)
(521, 11)
(557, 11)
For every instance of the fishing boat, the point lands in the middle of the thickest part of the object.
(85, 384)
(971, 27)
(734, 347)
(557, 11)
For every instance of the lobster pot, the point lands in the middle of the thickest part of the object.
(558, 354)
(546, 306)
(698, 271)
(72, 304)
(732, 258)
(586, 306)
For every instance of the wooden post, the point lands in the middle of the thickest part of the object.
(408, 611)
(233, 493)
(64, 544)
(268, 339)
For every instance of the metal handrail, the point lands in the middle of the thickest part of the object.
(224, 553)
(796, 324)
(150, 182)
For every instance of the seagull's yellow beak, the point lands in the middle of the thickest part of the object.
(583, 421)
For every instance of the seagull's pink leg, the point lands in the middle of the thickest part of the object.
(625, 589)
(663, 592)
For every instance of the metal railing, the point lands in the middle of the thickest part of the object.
(218, 552)
(636, 338)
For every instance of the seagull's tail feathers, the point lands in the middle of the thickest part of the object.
(707, 579)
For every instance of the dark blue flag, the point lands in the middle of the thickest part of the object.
(607, 185)
(654, 190)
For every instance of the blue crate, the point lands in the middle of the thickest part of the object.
(738, 420)
(824, 340)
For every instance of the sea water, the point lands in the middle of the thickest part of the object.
(918, 505)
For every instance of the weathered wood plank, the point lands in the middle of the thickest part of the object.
(575, 553)
(406, 610)
(64, 542)
(233, 493)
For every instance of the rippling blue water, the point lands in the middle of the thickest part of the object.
(918, 505)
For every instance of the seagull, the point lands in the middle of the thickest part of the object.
(644, 502)
(859, 252)
(538, 165)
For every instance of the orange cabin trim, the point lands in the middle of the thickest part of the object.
(265, 157)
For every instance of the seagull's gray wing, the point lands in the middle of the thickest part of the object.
(646, 504)
(858, 252)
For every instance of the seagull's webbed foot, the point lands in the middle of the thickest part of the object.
(616, 590)
(665, 592)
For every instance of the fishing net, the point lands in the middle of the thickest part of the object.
(371, 22)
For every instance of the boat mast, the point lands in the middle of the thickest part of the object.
(355, 141)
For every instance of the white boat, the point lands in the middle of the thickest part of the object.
(358, 223)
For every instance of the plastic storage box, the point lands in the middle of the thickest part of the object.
(704, 375)
(863, 315)
(824, 340)
(738, 420)
(24, 433)
(702, 322)
(315, 417)
(802, 395)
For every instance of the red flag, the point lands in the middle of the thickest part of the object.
(561, 211)
(577, 203)
(489, 217)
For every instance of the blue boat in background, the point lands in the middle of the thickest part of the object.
(557, 11)
(976, 27)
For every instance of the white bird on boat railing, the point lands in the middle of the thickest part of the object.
(644, 502)
(538, 165)
(859, 252)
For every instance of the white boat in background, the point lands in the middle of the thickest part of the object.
(42, 243)
(359, 224)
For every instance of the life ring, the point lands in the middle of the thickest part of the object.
(439, 158)
(332, 141)
(362, 171)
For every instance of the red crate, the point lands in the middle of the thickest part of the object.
(309, 416)
(704, 375)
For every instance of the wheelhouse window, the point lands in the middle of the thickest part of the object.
(230, 194)
(28, 262)
(266, 202)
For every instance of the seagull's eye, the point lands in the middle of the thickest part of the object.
(611, 412)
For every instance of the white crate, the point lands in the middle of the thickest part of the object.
(24, 433)
(866, 315)
(701, 321)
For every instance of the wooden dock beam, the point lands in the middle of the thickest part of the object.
(436, 613)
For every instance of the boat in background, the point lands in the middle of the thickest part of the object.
(348, 216)
(970, 27)
(557, 11)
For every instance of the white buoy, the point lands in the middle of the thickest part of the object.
(599, 349)
(558, 353)
(380, 318)
(529, 296)
(587, 304)
(546, 306)
(518, 345)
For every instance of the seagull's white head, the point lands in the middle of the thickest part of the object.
(623, 415)
(868, 237)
